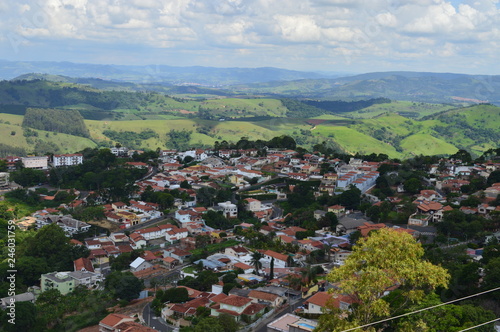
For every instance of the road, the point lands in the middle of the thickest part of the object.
(262, 327)
(155, 322)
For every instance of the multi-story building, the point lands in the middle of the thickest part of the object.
(36, 162)
(73, 159)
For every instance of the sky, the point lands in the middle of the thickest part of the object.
(354, 36)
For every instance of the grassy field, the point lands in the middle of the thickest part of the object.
(12, 135)
(245, 107)
(386, 132)
(415, 109)
(353, 141)
(16, 120)
(426, 144)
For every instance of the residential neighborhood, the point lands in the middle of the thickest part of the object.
(243, 235)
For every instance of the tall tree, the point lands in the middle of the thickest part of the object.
(385, 259)
(271, 273)
(256, 257)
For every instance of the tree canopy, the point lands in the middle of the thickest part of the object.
(387, 258)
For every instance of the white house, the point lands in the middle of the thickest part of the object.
(139, 264)
(280, 260)
(230, 209)
(183, 216)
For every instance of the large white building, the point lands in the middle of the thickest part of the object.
(36, 162)
(73, 159)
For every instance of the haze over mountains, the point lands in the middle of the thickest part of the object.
(400, 114)
(398, 85)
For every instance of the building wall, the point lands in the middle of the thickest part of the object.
(36, 162)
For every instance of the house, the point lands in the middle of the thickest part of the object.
(253, 204)
(238, 307)
(280, 260)
(139, 264)
(108, 323)
(67, 223)
(339, 210)
(318, 214)
(59, 160)
(237, 251)
(170, 262)
(271, 299)
(137, 241)
(291, 323)
(183, 216)
(83, 264)
(320, 302)
(245, 267)
(185, 309)
(176, 234)
(230, 210)
(179, 254)
(350, 223)
(58, 280)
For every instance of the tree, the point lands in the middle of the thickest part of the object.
(28, 177)
(228, 323)
(384, 259)
(51, 244)
(412, 185)
(208, 324)
(494, 177)
(271, 273)
(124, 285)
(255, 261)
(445, 318)
(25, 318)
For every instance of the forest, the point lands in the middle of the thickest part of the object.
(61, 121)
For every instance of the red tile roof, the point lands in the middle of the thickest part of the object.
(253, 308)
(236, 301)
(83, 264)
(113, 319)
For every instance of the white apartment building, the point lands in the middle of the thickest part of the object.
(73, 159)
(36, 162)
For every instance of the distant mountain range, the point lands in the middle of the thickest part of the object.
(266, 81)
(157, 73)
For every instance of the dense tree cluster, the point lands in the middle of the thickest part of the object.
(130, 139)
(61, 121)
(100, 171)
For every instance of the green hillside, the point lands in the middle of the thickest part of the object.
(144, 121)
(34, 141)
(425, 144)
(353, 141)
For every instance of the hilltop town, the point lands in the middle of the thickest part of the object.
(240, 237)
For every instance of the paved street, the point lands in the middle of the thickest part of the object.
(155, 322)
(262, 327)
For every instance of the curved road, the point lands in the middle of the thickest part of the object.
(155, 322)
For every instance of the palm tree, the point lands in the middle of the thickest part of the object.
(256, 257)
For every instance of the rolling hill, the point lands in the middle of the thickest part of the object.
(142, 120)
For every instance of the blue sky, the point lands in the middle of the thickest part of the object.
(316, 35)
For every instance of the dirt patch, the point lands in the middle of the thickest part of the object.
(105, 224)
(132, 309)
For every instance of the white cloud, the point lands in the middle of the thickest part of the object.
(376, 32)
